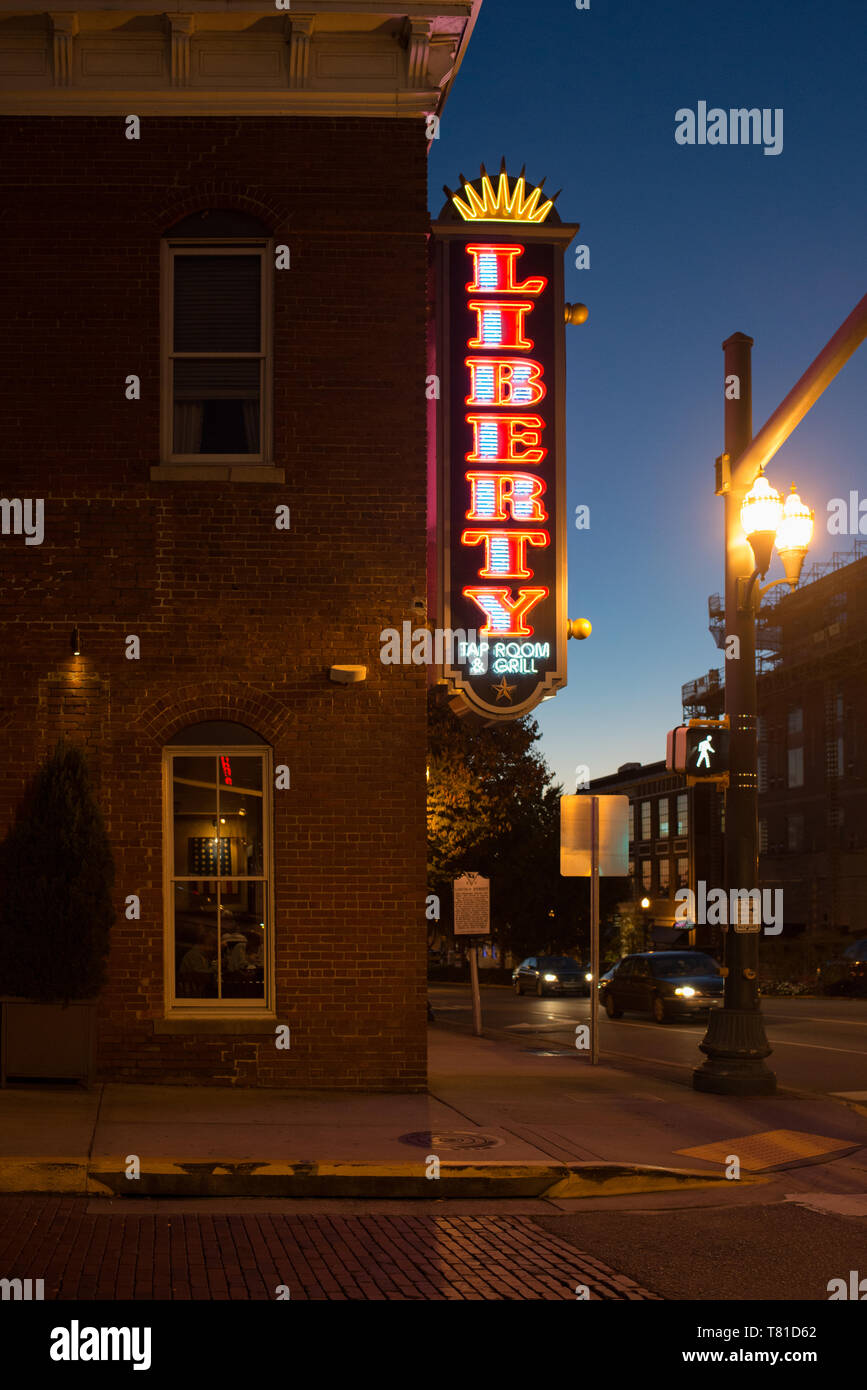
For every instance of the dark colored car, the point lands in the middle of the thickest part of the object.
(666, 984)
(551, 975)
(846, 973)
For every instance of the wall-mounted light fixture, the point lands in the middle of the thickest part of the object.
(347, 675)
(75, 642)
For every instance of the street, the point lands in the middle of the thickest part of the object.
(819, 1044)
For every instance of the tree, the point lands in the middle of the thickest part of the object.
(56, 877)
(493, 807)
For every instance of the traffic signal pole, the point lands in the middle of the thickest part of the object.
(735, 1044)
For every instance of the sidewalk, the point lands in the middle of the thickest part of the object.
(500, 1121)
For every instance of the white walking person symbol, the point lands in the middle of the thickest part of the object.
(705, 748)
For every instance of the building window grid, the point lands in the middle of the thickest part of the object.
(228, 1004)
(234, 246)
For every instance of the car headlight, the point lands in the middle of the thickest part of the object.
(550, 979)
(686, 991)
(588, 976)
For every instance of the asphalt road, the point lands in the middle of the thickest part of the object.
(818, 1044)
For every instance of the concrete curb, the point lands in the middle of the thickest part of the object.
(107, 1177)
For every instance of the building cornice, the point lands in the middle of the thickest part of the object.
(235, 57)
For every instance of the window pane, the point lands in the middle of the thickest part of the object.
(683, 814)
(664, 876)
(194, 793)
(645, 820)
(683, 872)
(241, 811)
(216, 300)
(216, 406)
(195, 909)
(796, 767)
(663, 818)
(645, 874)
(242, 949)
(795, 829)
(795, 721)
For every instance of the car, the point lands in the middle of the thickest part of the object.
(847, 972)
(666, 984)
(551, 975)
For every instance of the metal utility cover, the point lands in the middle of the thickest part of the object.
(774, 1148)
(451, 1139)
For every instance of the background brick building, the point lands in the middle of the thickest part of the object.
(675, 840)
(812, 752)
(306, 134)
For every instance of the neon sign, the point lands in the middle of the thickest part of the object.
(502, 510)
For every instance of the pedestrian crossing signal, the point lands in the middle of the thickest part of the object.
(707, 753)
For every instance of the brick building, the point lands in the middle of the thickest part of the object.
(675, 840)
(812, 749)
(215, 267)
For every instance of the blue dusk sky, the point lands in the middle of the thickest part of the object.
(688, 244)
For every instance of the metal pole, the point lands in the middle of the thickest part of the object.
(803, 395)
(735, 1043)
(594, 930)
(474, 985)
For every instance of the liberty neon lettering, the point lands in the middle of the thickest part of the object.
(492, 493)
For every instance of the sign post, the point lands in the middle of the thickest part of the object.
(594, 930)
(472, 900)
(594, 841)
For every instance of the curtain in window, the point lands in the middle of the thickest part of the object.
(189, 416)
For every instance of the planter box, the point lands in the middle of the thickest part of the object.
(47, 1040)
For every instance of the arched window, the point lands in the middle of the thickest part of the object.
(217, 870)
(216, 339)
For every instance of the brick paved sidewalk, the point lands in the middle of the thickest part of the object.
(84, 1255)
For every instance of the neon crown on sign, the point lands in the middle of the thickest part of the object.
(510, 202)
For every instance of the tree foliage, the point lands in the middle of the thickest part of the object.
(494, 809)
(56, 877)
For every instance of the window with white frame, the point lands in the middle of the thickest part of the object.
(796, 767)
(217, 870)
(795, 832)
(217, 277)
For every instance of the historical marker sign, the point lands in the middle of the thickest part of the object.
(472, 905)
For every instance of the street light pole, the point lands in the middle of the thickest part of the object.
(735, 1044)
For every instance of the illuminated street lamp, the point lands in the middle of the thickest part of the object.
(767, 522)
(645, 921)
(761, 514)
(794, 534)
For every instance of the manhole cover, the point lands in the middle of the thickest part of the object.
(451, 1139)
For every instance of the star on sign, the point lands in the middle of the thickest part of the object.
(503, 690)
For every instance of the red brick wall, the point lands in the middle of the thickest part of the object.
(237, 620)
